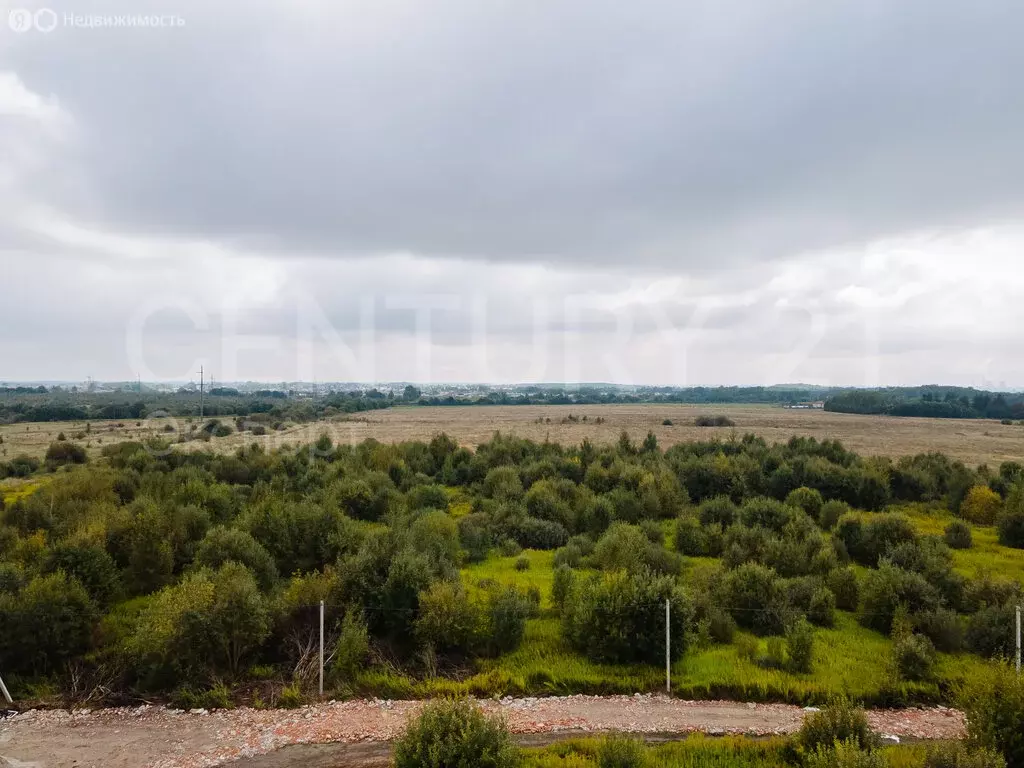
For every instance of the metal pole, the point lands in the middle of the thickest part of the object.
(321, 647)
(5, 692)
(1018, 640)
(668, 647)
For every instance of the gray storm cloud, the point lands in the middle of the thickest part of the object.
(760, 154)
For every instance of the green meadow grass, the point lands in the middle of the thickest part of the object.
(849, 659)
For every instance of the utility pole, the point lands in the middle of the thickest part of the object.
(201, 385)
(321, 648)
(668, 646)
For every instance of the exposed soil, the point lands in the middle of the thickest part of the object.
(163, 738)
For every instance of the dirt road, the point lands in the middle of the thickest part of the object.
(166, 738)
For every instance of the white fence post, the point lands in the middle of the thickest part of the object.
(7, 695)
(321, 648)
(668, 646)
(1018, 640)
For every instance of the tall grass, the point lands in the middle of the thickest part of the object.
(702, 752)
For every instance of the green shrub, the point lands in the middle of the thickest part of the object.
(447, 621)
(689, 538)
(914, 656)
(990, 631)
(958, 535)
(618, 751)
(455, 734)
(353, 646)
(756, 597)
(956, 754)
(48, 624)
(522, 563)
(290, 697)
(561, 586)
(888, 587)
(994, 705)
(509, 547)
(620, 618)
(747, 648)
(844, 755)
(62, 453)
(507, 611)
(720, 510)
(831, 512)
(842, 582)
(222, 545)
(1011, 529)
(807, 499)
(943, 627)
(800, 646)
(837, 722)
(822, 608)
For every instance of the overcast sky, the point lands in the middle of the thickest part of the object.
(721, 192)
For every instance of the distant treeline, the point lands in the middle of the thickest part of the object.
(32, 405)
(589, 395)
(934, 402)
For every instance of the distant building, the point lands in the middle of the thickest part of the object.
(817, 404)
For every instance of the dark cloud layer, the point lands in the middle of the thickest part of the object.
(824, 180)
(671, 134)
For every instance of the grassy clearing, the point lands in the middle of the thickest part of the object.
(849, 659)
(702, 752)
(986, 555)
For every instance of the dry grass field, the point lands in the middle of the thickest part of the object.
(34, 438)
(973, 441)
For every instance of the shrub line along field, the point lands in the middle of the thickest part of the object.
(973, 441)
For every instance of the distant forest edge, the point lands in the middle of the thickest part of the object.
(41, 404)
(933, 402)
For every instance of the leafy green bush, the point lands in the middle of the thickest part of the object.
(807, 499)
(800, 646)
(831, 512)
(720, 510)
(994, 705)
(448, 621)
(943, 627)
(689, 538)
(507, 611)
(619, 617)
(522, 563)
(617, 751)
(956, 754)
(756, 597)
(837, 722)
(958, 535)
(62, 453)
(561, 586)
(842, 582)
(1011, 529)
(990, 631)
(353, 646)
(222, 545)
(888, 587)
(822, 608)
(49, 623)
(844, 755)
(914, 656)
(455, 733)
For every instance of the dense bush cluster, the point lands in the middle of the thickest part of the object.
(156, 568)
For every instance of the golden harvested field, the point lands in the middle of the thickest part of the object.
(973, 441)
(34, 438)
